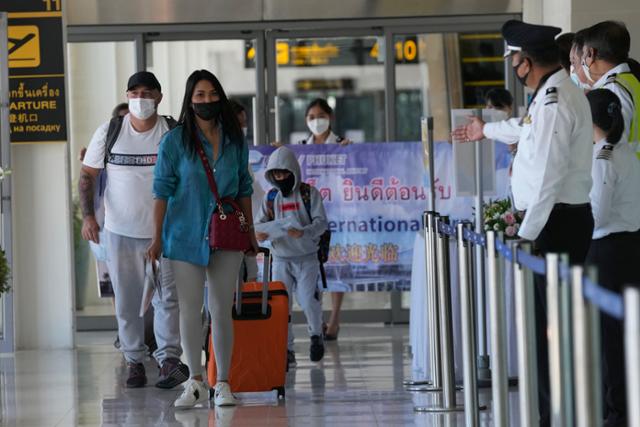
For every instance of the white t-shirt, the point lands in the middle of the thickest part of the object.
(128, 197)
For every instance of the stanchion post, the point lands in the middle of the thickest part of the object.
(499, 379)
(584, 380)
(468, 332)
(554, 330)
(632, 352)
(527, 348)
(566, 324)
(446, 332)
(432, 321)
(595, 341)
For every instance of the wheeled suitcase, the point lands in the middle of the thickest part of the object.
(260, 330)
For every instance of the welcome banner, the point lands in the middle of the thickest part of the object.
(374, 195)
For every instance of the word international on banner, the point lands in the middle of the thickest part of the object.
(374, 195)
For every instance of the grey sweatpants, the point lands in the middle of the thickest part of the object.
(222, 276)
(300, 276)
(125, 260)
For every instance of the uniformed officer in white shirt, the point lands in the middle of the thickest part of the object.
(552, 169)
(605, 51)
(615, 249)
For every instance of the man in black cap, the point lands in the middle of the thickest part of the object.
(552, 169)
(127, 148)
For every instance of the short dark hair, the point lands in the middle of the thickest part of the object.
(499, 98)
(606, 113)
(578, 41)
(549, 56)
(610, 40)
(319, 102)
(565, 42)
(118, 109)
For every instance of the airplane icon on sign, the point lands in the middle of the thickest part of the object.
(18, 43)
(24, 46)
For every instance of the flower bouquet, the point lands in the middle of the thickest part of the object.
(500, 216)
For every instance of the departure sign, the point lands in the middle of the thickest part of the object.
(336, 52)
(36, 71)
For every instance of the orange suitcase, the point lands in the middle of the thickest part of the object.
(260, 328)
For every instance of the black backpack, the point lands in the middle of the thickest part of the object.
(325, 240)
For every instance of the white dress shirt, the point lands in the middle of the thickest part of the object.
(607, 82)
(615, 196)
(553, 163)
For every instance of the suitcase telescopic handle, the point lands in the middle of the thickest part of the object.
(266, 277)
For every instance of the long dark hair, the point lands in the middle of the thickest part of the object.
(187, 119)
(606, 113)
(319, 102)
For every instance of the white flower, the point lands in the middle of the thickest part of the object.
(496, 227)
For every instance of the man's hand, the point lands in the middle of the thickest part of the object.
(472, 131)
(90, 229)
(277, 144)
(154, 250)
(295, 233)
(262, 236)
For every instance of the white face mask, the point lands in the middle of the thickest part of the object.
(245, 131)
(587, 73)
(576, 80)
(142, 108)
(318, 126)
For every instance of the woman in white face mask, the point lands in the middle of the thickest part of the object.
(318, 117)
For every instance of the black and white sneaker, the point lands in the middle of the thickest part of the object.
(195, 392)
(172, 373)
(316, 351)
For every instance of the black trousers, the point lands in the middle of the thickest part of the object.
(616, 256)
(568, 230)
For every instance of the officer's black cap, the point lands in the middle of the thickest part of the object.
(522, 36)
(144, 78)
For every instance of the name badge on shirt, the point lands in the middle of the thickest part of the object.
(527, 119)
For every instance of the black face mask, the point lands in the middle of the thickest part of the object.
(208, 110)
(523, 79)
(286, 185)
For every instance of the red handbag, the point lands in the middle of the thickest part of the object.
(228, 231)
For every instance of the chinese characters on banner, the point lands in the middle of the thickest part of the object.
(374, 195)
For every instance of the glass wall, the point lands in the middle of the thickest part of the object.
(347, 71)
(98, 74)
(172, 62)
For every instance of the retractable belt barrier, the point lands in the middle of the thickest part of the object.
(574, 303)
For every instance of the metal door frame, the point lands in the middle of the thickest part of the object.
(266, 34)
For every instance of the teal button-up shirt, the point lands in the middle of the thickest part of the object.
(180, 179)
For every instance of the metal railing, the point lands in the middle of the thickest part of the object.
(574, 303)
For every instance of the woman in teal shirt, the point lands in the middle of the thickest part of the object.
(182, 211)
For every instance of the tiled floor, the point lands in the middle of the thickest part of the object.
(359, 383)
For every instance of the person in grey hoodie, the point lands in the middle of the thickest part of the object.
(295, 256)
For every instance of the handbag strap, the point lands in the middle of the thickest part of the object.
(208, 171)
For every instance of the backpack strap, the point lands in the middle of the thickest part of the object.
(115, 125)
(171, 122)
(305, 193)
(271, 197)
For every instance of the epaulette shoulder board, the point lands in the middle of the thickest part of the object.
(551, 96)
(611, 79)
(605, 153)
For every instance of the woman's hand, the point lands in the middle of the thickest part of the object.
(261, 236)
(346, 141)
(154, 250)
(277, 144)
(254, 248)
